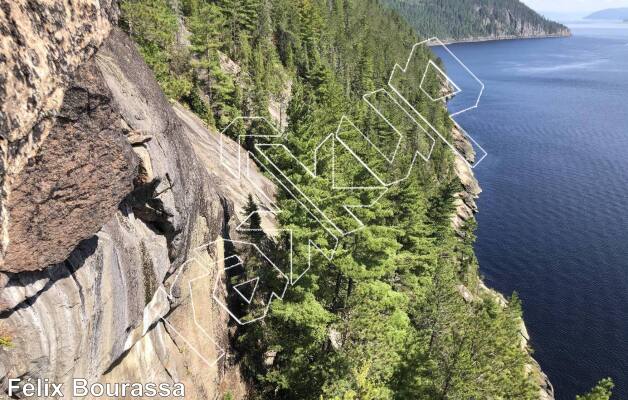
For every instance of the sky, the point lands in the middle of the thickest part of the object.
(574, 6)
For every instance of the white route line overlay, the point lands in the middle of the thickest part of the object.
(477, 101)
(431, 63)
(384, 186)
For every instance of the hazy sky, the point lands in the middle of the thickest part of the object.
(574, 6)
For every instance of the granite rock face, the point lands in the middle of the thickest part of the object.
(61, 197)
(42, 43)
(111, 204)
(465, 201)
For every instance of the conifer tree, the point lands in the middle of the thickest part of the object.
(153, 25)
(206, 24)
(601, 391)
(253, 220)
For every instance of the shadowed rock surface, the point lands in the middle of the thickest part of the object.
(42, 43)
(75, 181)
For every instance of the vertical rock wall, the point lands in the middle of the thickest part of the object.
(104, 200)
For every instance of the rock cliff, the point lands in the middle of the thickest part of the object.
(104, 199)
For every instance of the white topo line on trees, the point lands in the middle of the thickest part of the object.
(243, 171)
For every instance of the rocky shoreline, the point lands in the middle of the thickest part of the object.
(466, 208)
(507, 37)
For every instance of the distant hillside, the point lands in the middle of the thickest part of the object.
(610, 14)
(466, 20)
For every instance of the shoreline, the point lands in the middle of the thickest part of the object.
(503, 38)
(466, 210)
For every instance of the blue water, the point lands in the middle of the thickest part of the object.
(553, 221)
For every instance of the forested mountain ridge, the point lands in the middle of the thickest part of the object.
(470, 20)
(616, 14)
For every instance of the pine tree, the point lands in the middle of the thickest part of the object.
(253, 228)
(206, 24)
(241, 21)
(601, 391)
(153, 25)
(365, 389)
(441, 208)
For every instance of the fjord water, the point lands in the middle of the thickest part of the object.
(553, 220)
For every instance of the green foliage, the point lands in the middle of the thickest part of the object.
(254, 221)
(241, 21)
(601, 391)
(153, 26)
(462, 19)
(385, 320)
(206, 22)
(365, 389)
(5, 339)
